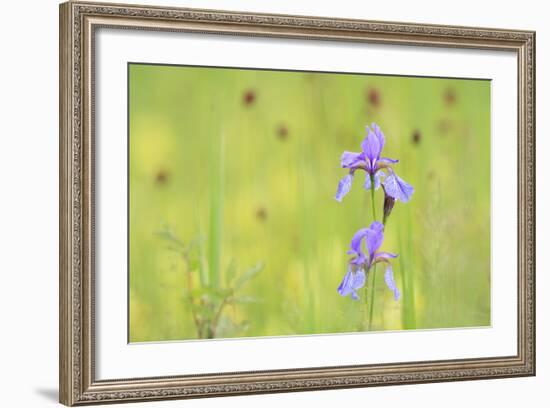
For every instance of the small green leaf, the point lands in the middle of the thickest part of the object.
(248, 275)
(168, 235)
(243, 300)
(203, 268)
(194, 264)
(230, 272)
(209, 294)
(228, 328)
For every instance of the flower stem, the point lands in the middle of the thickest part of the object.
(371, 308)
(372, 198)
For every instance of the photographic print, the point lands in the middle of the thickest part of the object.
(260, 217)
(276, 203)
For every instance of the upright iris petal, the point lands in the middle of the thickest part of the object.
(372, 149)
(355, 247)
(379, 134)
(374, 239)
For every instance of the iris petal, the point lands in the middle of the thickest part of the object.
(352, 282)
(379, 135)
(398, 188)
(343, 187)
(345, 287)
(374, 238)
(359, 279)
(355, 246)
(371, 147)
(377, 180)
(358, 283)
(386, 161)
(359, 260)
(351, 159)
(376, 226)
(390, 282)
(383, 256)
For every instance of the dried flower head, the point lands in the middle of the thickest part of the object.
(449, 97)
(282, 132)
(162, 177)
(416, 137)
(249, 97)
(261, 214)
(373, 97)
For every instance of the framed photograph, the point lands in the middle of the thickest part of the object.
(255, 203)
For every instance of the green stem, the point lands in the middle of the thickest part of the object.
(371, 308)
(216, 209)
(372, 198)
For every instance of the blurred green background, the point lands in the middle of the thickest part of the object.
(232, 168)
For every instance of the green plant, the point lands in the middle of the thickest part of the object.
(208, 300)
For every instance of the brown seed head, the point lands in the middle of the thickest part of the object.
(162, 177)
(249, 97)
(261, 214)
(449, 97)
(282, 132)
(373, 97)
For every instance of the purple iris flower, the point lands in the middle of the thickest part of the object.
(360, 262)
(373, 165)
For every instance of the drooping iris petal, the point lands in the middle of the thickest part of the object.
(371, 147)
(351, 159)
(374, 238)
(351, 282)
(359, 279)
(343, 187)
(377, 179)
(398, 188)
(358, 282)
(345, 286)
(390, 282)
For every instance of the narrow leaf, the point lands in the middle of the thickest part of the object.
(247, 275)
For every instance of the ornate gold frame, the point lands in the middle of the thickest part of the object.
(78, 22)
